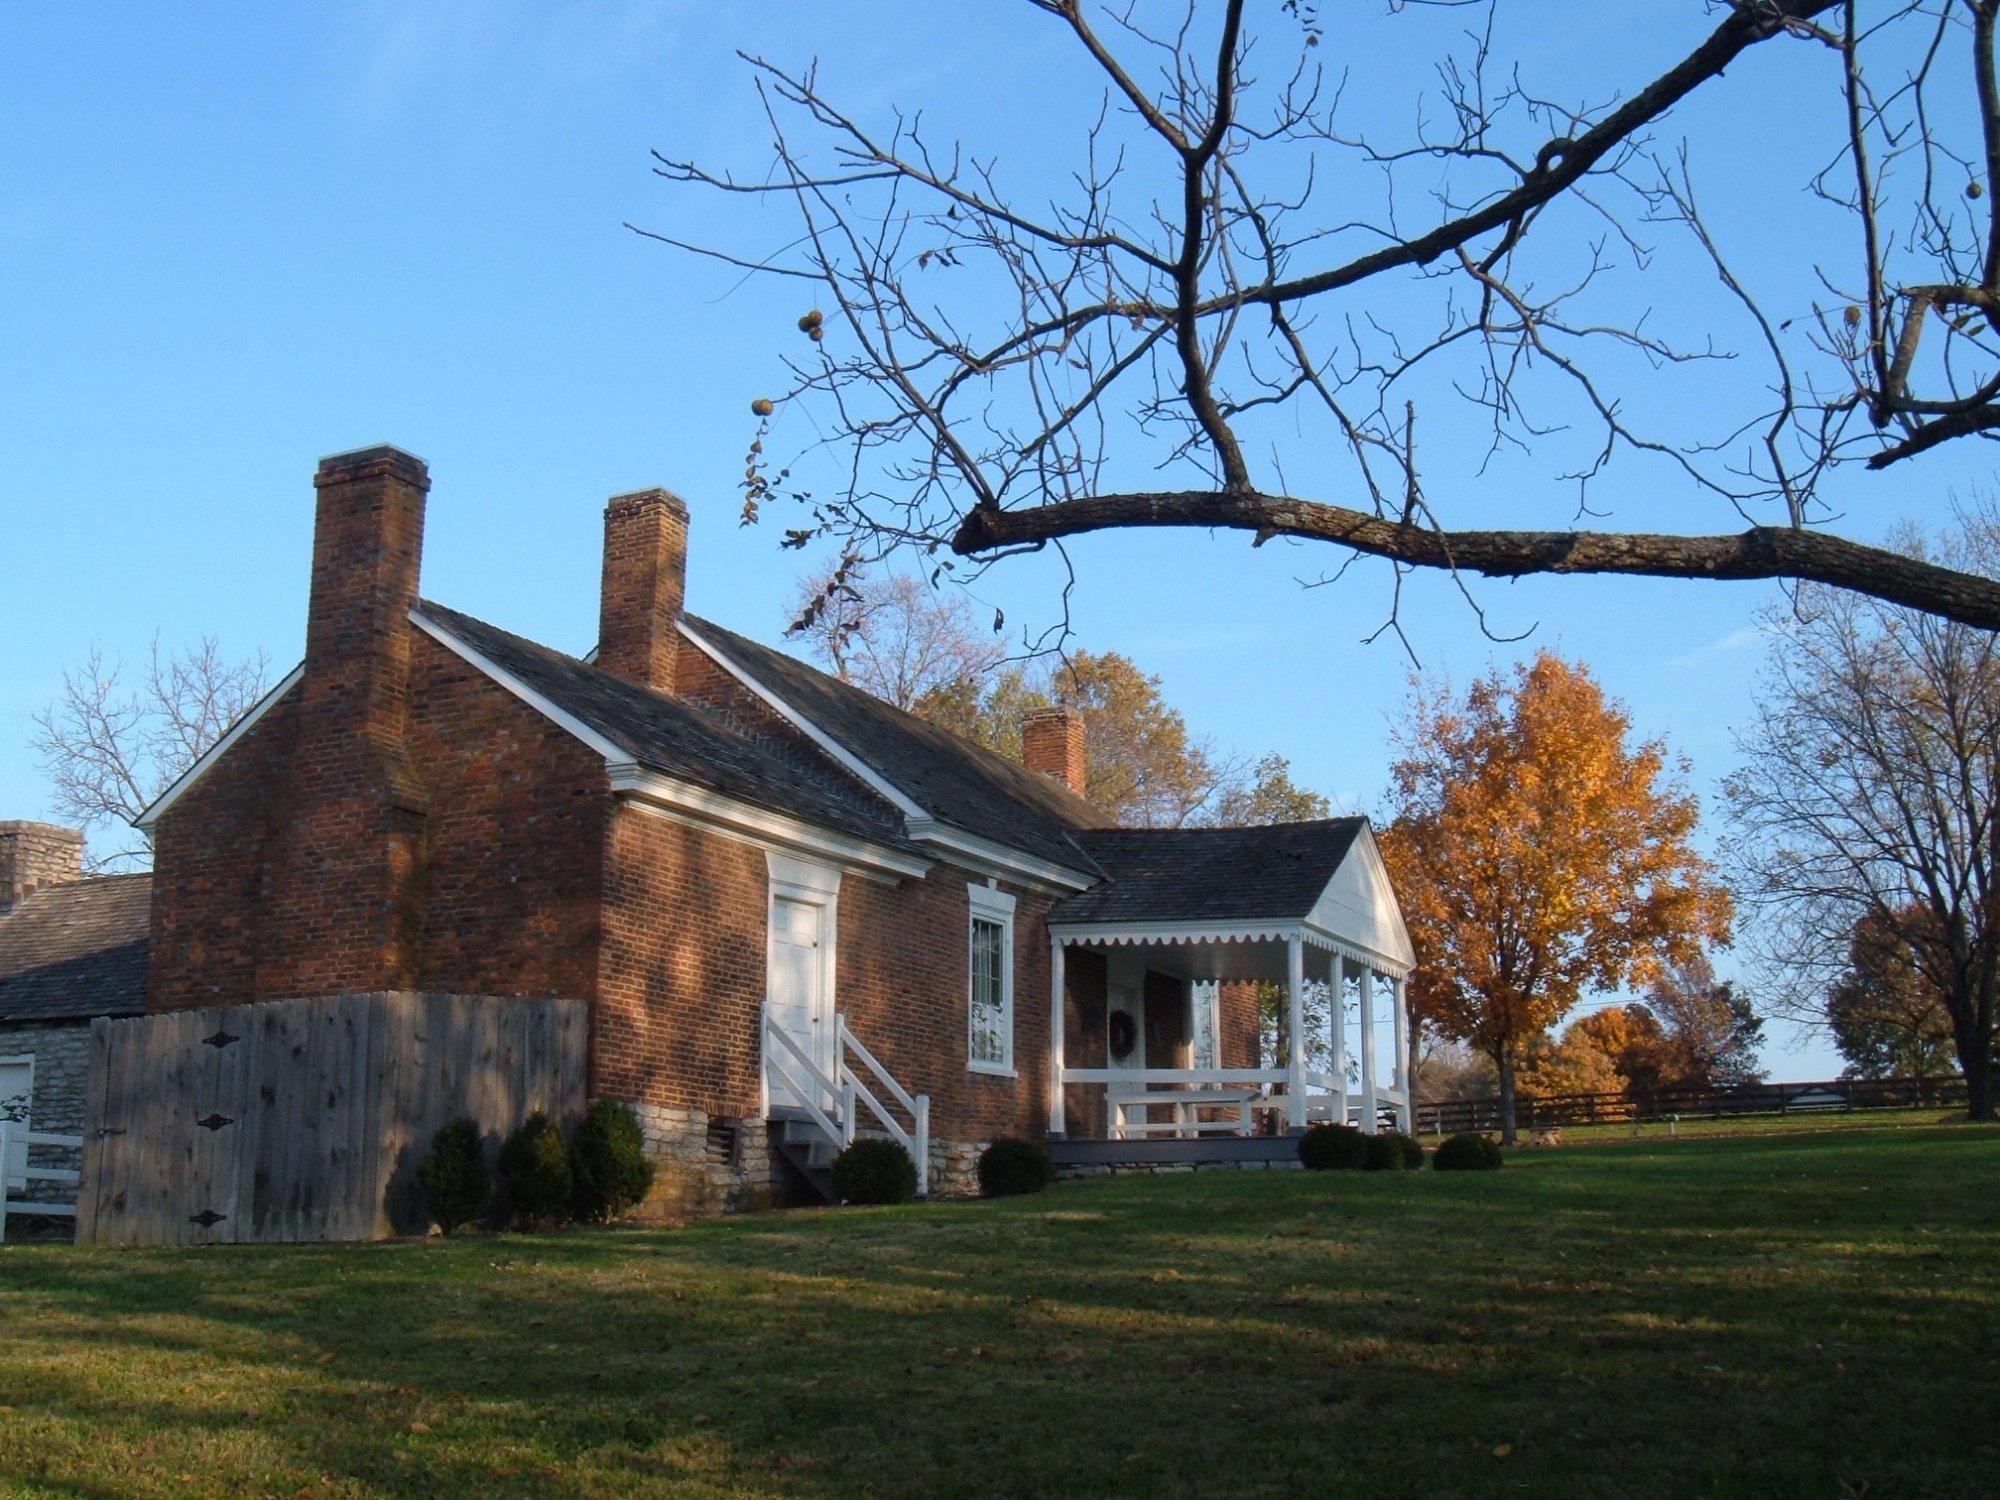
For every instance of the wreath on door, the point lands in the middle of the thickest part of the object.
(1124, 1033)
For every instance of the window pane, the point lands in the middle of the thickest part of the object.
(988, 1001)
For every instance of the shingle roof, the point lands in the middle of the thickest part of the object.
(1210, 874)
(950, 777)
(70, 952)
(678, 737)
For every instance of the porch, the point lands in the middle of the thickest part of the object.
(1227, 987)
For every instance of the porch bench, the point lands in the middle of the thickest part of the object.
(1184, 1103)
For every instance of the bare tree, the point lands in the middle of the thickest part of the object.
(894, 635)
(109, 750)
(1870, 793)
(1232, 308)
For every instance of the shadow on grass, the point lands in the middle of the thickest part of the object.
(1743, 1317)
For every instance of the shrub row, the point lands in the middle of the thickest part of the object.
(596, 1175)
(878, 1171)
(1337, 1148)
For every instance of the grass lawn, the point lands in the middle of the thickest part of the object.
(1800, 1313)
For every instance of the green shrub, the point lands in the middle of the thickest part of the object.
(608, 1165)
(1012, 1166)
(455, 1177)
(535, 1164)
(874, 1171)
(1392, 1151)
(1466, 1153)
(1333, 1148)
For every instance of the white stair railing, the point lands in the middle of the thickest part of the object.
(785, 1061)
(917, 1139)
(837, 1130)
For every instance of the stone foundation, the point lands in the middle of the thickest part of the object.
(708, 1164)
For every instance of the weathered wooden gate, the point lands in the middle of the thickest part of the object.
(306, 1119)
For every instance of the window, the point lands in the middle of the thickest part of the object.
(990, 982)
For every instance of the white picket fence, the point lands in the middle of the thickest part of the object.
(11, 1178)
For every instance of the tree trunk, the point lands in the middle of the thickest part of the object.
(1979, 1083)
(1505, 1060)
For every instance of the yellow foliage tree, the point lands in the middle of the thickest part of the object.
(1576, 1064)
(1539, 854)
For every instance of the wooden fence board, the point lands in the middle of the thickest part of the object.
(331, 1103)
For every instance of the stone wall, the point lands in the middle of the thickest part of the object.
(62, 1075)
(707, 1164)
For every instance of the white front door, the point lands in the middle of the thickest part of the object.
(798, 993)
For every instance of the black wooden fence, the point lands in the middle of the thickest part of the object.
(1838, 1094)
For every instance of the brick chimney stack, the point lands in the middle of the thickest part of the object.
(344, 906)
(645, 585)
(1052, 743)
(34, 855)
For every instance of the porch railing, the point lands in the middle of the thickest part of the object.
(785, 1061)
(11, 1136)
(1325, 1099)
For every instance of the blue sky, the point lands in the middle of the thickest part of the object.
(234, 238)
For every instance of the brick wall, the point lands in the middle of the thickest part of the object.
(508, 877)
(681, 976)
(902, 983)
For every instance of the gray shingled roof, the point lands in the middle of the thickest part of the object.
(70, 952)
(1210, 874)
(950, 777)
(678, 737)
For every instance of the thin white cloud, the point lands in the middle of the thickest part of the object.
(1727, 645)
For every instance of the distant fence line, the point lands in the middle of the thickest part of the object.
(1836, 1094)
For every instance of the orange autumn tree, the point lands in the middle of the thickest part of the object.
(1538, 854)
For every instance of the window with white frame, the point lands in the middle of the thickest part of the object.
(990, 982)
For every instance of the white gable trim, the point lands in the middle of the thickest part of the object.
(1359, 907)
(859, 768)
(688, 803)
(983, 855)
(220, 748)
(612, 753)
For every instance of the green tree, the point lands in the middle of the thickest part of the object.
(1887, 1017)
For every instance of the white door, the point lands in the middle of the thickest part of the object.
(17, 1078)
(798, 993)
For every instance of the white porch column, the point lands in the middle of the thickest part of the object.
(1295, 1032)
(1057, 1008)
(1370, 1106)
(1399, 996)
(1337, 1024)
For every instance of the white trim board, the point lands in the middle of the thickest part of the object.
(220, 748)
(715, 811)
(680, 802)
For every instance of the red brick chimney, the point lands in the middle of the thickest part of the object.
(1052, 743)
(34, 855)
(343, 911)
(645, 583)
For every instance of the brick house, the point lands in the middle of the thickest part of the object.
(794, 911)
(72, 948)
